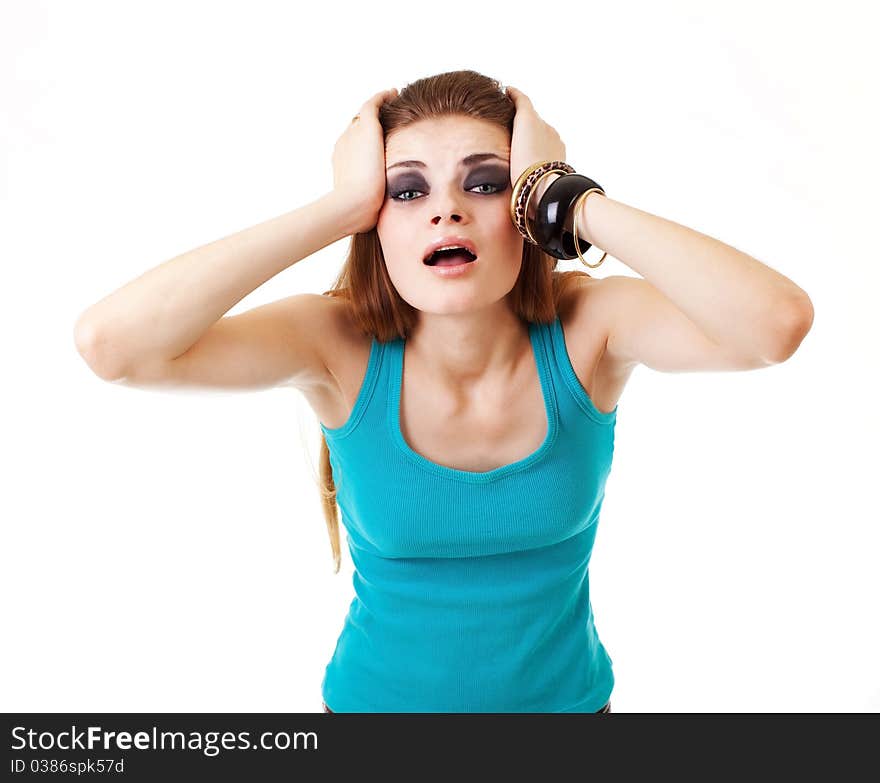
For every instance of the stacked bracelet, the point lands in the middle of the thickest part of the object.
(524, 187)
(562, 198)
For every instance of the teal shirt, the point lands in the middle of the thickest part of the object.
(472, 589)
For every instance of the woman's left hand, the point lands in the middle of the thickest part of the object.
(533, 139)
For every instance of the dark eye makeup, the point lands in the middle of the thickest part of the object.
(496, 177)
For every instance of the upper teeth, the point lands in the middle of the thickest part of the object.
(450, 247)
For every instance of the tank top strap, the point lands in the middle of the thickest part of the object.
(367, 399)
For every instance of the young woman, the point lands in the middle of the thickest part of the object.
(467, 391)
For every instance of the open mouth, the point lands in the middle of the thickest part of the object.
(451, 257)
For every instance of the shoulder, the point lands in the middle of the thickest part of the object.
(342, 323)
(575, 285)
(583, 310)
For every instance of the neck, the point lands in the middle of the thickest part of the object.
(463, 351)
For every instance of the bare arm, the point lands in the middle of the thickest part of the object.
(160, 315)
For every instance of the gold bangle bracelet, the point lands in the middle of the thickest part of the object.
(577, 207)
(518, 186)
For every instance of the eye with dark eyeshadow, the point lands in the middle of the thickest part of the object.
(499, 182)
(497, 188)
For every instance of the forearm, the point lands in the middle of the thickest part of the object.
(736, 300)
(162, 313)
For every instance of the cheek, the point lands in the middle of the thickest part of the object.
(508, 239)
(398, 253)
(501, 226)
(390, 238)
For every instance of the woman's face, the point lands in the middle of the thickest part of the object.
(446, 197)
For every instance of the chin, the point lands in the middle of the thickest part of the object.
(452, 302)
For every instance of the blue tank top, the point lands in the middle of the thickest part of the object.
(472, 589)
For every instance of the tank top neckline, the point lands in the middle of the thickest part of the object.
(550, 411)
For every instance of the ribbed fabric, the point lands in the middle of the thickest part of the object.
(472, 589)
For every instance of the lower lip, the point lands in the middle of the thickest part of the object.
(452, 271)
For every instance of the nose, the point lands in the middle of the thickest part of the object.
(448, 207)
(453, 216)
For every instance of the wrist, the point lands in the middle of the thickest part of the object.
(341, 211)
(585, 217)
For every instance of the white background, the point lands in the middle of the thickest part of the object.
(167, 552)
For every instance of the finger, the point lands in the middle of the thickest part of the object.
(381, 97)
(520, 99)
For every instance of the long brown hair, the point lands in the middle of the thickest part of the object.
(374, 305)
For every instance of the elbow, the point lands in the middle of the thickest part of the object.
(92, 347)
(792, 327)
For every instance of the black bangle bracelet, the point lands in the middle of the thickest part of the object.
(552, 214)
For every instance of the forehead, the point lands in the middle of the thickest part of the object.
(439, 139)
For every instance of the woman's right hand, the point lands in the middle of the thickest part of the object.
(359, 165)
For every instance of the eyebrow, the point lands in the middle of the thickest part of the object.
(470, 160)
